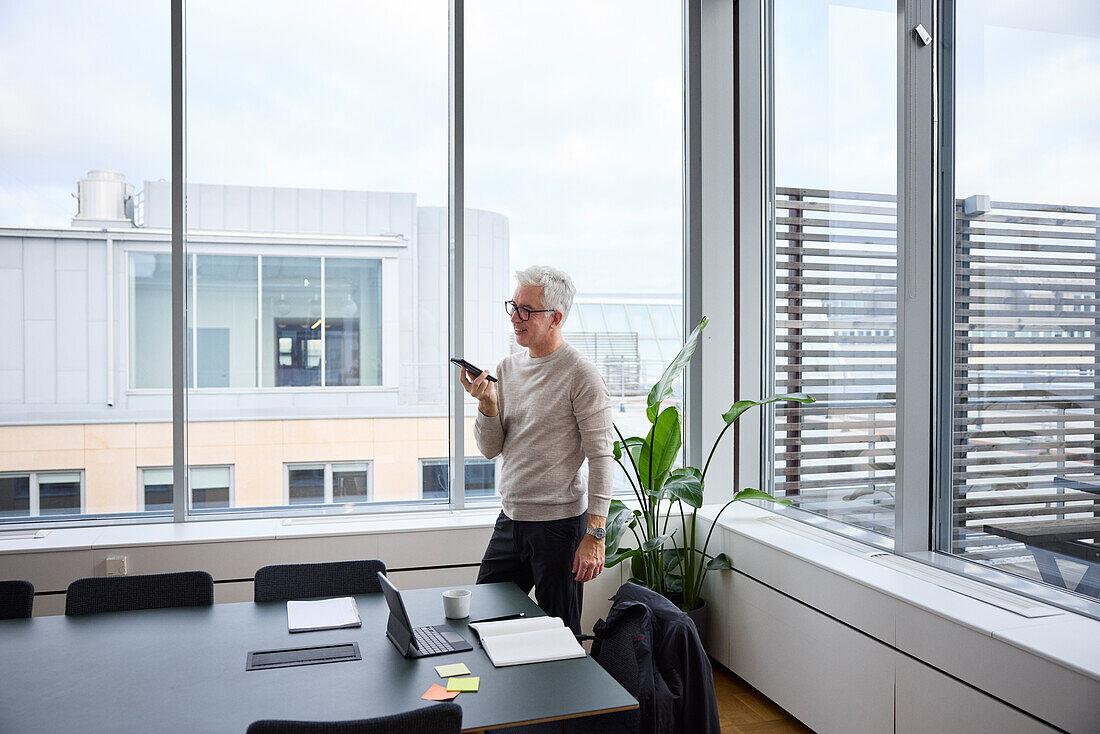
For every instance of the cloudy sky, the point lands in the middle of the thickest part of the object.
(1027, 98)
(573, 117)
(573, 113)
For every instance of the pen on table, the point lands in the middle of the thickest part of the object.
(497, 619)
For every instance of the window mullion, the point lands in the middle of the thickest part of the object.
(179, 284)
(456, 250)
(917, 262)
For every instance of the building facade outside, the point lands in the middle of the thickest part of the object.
(317, 366)
(317, 372)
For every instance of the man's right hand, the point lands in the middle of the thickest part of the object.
(482, 391)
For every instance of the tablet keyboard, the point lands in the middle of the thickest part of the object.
(428, 640)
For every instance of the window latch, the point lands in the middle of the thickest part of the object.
(924, 36)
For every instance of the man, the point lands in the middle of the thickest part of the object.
(549, 411)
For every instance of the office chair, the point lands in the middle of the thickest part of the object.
(307, 580)
(16, 599)
(440, 718)
(148, 591)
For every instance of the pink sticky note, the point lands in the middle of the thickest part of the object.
(438, 693)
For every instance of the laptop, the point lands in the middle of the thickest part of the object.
(417, 642)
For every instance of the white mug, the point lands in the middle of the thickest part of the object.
(456, 603)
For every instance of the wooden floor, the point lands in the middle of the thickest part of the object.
(743, 709)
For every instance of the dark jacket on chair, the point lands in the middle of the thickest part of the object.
(676, 687)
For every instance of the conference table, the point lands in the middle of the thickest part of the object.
(183, 670)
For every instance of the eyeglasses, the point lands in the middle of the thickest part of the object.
(524, 313)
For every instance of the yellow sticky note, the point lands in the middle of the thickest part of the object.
(463, 684)
(448, 671)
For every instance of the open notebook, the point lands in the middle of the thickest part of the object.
(530, 640)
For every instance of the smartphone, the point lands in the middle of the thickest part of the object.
(471, 369)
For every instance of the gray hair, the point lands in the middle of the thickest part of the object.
(557, 287)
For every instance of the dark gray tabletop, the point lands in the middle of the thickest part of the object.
(183, 670)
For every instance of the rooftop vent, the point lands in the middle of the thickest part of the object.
(105, 199)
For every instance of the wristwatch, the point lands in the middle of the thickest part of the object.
(596, 533)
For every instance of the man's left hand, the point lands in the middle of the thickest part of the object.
(588, 561)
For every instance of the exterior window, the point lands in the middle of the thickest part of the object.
(41, 494)
(15, 496)
(1024, 461)
(156, 488)
(481, 479)
(306, 484)
(835, 258)
(211, 488)
(150, 312)
(328, 483)
(301, 341)
(222, 337)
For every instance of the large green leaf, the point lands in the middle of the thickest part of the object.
(652, 544)
(674, 583)
(720, 562)
(686, 484)
(632, 443)
(756, 494)
(659, 450)
(619, 517)
(621, 556)
(663, 388)
(672, 558)
(741, 406)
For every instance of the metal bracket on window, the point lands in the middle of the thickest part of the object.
(924, 36)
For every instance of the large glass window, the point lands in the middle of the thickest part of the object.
(323, 173)
(86, 123)
(835, 257)
(1025, 388)
(315, 245)
(585, 160)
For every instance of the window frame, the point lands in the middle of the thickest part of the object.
(322, 253)
(493, 498)
(328, 467)
(141, 487)
(925, 279)
(34, 509)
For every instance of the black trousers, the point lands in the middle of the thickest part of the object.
(538, 554)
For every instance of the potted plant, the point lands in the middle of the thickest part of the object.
(663, 559)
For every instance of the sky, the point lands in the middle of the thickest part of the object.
(573, 109)
(1027, 98)
(573, 113)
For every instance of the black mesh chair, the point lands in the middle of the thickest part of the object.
(16, 599)
(149, 591)
(307, 580)
(440, 718)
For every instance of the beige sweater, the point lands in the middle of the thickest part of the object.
(554, 412)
